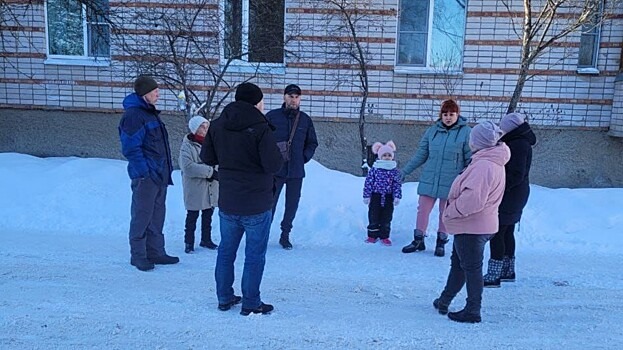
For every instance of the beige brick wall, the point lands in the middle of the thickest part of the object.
(558, 97)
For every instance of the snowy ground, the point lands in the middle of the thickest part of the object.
(66, 281)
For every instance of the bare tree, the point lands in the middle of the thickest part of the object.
(191, 47)
(346, 21)
(12, 18)
(179, 46)
(546, 22)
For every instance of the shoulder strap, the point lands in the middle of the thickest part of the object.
(296, 121)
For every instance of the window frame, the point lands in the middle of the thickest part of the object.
(427, 68)
(83, 60)
(596, 33)
(242, 65)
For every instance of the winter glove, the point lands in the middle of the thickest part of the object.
(396, 201)
(366, 201)
(214, 176)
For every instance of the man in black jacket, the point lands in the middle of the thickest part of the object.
(302, 150)
(242, 144)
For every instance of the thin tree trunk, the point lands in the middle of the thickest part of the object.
(526, 58)
(521, 82)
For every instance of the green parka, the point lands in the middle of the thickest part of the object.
(444, 153)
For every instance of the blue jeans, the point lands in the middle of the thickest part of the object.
(257, 228)
(466, 268)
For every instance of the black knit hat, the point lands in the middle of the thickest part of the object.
(292, 89)
(144, 84)
(249, 92)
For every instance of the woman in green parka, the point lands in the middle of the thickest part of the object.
(444, 152)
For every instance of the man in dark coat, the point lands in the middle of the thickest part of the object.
(242, 144)
(302, 150)
(520, 139)
(145, 144)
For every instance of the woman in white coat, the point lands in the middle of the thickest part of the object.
(200, 182)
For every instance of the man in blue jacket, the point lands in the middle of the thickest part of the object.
(302, 150)
(145, 144)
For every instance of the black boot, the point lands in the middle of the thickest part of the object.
(189, 248)
(234, 301)
(441, 307)
(262, 309)
(442, 239)
(164, 260)
(206, 229)
(142, 264)
(284, 240)
(494, 271)
(209, 244)
(417, 244)
(508, 269)
(464, 317)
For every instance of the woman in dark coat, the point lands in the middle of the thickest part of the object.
(519, 137)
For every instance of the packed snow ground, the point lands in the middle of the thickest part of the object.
(66, 281)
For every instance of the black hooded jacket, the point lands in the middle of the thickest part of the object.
(520, 142)
(242, 144)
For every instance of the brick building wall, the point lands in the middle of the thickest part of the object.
(558, 96)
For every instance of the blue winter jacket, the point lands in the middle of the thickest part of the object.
(145, 141)
(304, 142)
(444, 153)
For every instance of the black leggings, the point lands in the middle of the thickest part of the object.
(503, 243)
(191, 225)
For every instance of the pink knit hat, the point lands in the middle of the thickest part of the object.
(380, 149)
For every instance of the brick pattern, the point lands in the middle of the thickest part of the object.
(556, 96)
(616, 123)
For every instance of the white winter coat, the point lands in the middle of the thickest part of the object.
(199, 193)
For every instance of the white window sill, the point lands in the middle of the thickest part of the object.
(260, 68)
(426, 71)
(93, 62)
(588, 71)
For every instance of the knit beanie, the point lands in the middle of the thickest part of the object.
(195, 122)
(484, 135)
(144, 85)
(380, 149)
(249, 92)
(511, 121)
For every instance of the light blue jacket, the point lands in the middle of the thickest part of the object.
(444, 153)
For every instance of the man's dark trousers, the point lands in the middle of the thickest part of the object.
(293, 195)
(148, 214)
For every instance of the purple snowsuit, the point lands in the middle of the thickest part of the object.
(382, 186)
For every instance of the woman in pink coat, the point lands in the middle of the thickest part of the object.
(471, 215)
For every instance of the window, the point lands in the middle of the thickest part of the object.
(589, 40)
(254, 30)
(76, 31)
(431, 34)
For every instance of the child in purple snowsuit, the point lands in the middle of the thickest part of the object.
(382, 190)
